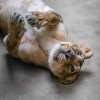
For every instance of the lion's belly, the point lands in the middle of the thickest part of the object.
(32, 54)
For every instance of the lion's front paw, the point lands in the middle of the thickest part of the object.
(17, 20)
(32, 20)
(16, 25)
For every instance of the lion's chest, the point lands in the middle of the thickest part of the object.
(46, 41)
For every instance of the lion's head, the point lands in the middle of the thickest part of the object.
(66, 59)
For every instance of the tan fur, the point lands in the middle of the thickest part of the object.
(45, 43)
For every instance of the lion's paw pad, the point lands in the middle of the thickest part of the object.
(17, 18)
(32, 20)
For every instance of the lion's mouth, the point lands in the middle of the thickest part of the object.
(68, 54)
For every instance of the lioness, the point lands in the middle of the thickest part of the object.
(36, 34)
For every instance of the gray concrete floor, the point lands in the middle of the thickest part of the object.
(20, 81)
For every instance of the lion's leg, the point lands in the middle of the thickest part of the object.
(15, 33)
(41, 19)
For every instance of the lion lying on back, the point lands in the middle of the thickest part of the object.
(36, 34)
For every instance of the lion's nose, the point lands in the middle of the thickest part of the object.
(69, 54)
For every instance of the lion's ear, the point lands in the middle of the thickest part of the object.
(87, 52)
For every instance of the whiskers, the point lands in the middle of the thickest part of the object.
(61, 58)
